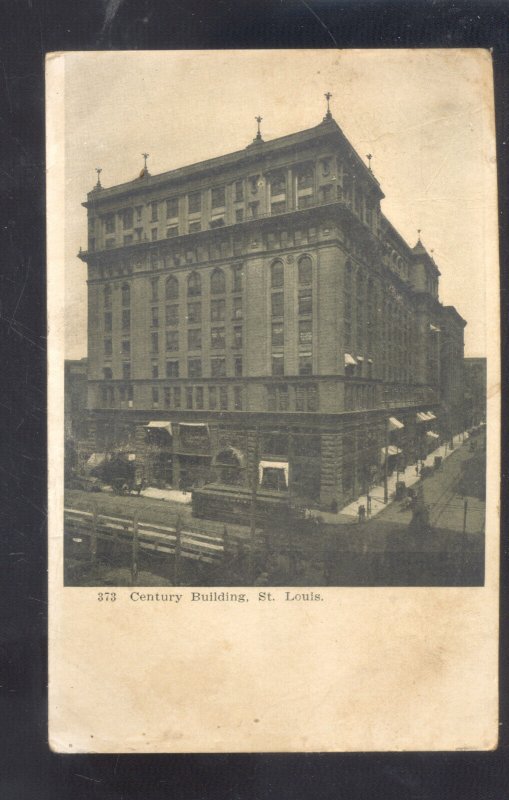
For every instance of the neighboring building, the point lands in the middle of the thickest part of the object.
(75, 399)
(475, 391)
(257, 313)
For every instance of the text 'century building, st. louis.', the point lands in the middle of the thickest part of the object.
(257, 314)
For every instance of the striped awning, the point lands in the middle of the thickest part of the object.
(430, 415)
(432, 435)
(350, 360)
(395, 424)
(421, 417)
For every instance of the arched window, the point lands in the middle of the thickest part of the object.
(305, 270)
(277, 277)
(217, 282)
(107, 296)
(194, 285)
(126, 294)
(172, 288)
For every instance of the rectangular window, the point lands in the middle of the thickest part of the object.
(195, 226)
(271, 398)
(239, 190)
(194, 339)
(154, 283)
(217, 338)
(155, 316)
(305, 332)
(278, 339)
(154, 261)
(172, 369)
(109, 223)
(126, 371)
(167, 397)
(154, 234)
(223, 398)
(305, 364)
(212, 397)
(216, 223)
(110, 243)
(126, 319)
(278, 208)
(128, 239)
(237, 398)
(155, 396)
(199, 397)
(237, 336)
(171, 231)
(172, 315)
(194, 312)
(172, 340)
(237, 308)
(194, 202)
(107, 373)
(177, 396)
(104, 396)
(218, 367)
(277, 302)
(253, 208)
(194, 368)
(107, 321)
(237, 278)
(305, 301)
(218, 197)
(217, 310)
(312, 398)
(127, 218)
(155, 342)
(300, 398)
(172, 208)
(189, 396)
(154, 212)
(155, 369)
(278, 364)
(238, 366)
(239, 215)
(138, 213)
(283, 398)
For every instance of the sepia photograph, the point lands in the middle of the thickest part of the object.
(275, 319)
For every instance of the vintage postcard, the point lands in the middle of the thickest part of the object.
(273, 395)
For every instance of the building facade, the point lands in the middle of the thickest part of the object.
(475, 391)
(256, 314)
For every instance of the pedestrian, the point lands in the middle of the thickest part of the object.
(361, 511)
(368, 506)
(417, 468)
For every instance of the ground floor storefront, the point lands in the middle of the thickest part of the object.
(313, 460)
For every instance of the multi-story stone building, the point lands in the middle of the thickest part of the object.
(475, 391)
(257, 313)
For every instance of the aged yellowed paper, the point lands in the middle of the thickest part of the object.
(273, 391)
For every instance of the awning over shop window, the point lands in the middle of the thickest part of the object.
(430, 415)
(390, 450)
(160, 424)
(395, 424)
(282, 465)
(350, 360)
(432, 435)
(421, 417)
(194, 425)
(95, 460)
(360, 358)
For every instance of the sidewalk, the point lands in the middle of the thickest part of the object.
(349, 513)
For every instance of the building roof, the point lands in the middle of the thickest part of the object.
(250, 154)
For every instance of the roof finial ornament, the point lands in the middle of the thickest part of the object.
(98, 184)
(369, 157)
(258, 137)
(328, 115)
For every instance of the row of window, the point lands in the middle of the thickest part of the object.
(198, 398)
(194, 312)
(293, 398)
(194, 339)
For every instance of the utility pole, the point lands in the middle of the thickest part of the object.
(386, 489)
(254, 492)
(291, 554)
(93, 537)
(134, 559)
(178, 549)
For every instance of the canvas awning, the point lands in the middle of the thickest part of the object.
(430, 415)
(395, 424)
(160, 424)
(421, 417)
(95, 460)
(360, 358)
(432, 435)
(350, 360)
(282, 465)
(390, 450)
